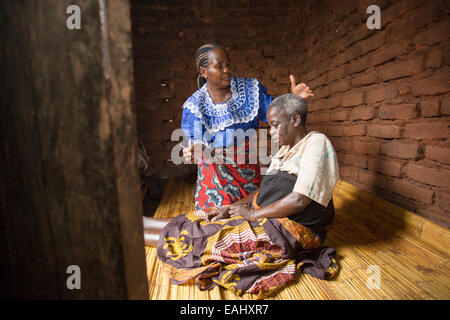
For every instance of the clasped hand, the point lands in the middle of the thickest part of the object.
(200, 153)
(244, 211)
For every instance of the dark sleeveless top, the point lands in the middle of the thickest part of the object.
(315, 216)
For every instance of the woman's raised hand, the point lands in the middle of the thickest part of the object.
(300, 89)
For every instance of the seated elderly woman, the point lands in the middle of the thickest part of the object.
(257, 244)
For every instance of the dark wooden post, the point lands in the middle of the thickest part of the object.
(69, 186)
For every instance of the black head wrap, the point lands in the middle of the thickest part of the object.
(201, 60)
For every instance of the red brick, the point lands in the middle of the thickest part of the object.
(364, 79)
(336, 74)
(315, 104)
(399, 149)
(431, 86)
(353, 99)
(429, 108)
(319, 128)
(331, 51)
(429, 13)
(433, 176)
(281, 74)
(437, 153)
(358, 65)
(322, 80)
(388, 53)
(359, 129)
(371, 179)
(401, 69)
(312, 117)
(355, 160)
(340, 57)
(346, 172)
(311, 75)
(340, 156)
(340, 144)
(335, 131)
(385, 166)
(443, 200)
(412, 191)
(322, 92)
(404, 89)
(346, 56)
(354, 36)
(332, 102)
(340, 86)
(323, 67)
(434, 59)
(340, 115)
(400, 29)
(366, 147)
(445, 106)
(371, 43)
(433, 35)
(323, 117)
(383, 130)
(381, 93)
(397, 111)
(427, 130)
(362, 113)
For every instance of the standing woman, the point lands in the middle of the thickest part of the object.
(211, 116)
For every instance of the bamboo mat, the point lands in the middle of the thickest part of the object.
(411, 253)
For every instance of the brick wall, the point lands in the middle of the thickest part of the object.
(382, 96)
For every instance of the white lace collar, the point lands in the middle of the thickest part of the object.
(241, 107)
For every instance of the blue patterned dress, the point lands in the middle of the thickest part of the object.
(217, 126)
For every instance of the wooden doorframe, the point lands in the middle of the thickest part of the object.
(70, 191)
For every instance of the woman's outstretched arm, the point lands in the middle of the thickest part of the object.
(290, 204)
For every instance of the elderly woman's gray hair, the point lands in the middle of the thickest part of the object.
(291, 103)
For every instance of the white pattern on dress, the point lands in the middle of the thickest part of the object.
(217, 117)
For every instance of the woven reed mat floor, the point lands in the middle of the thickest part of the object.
(411, 253)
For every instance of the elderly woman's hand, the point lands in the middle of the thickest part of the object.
(244, 211)
(219, 213)
(301, 89)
